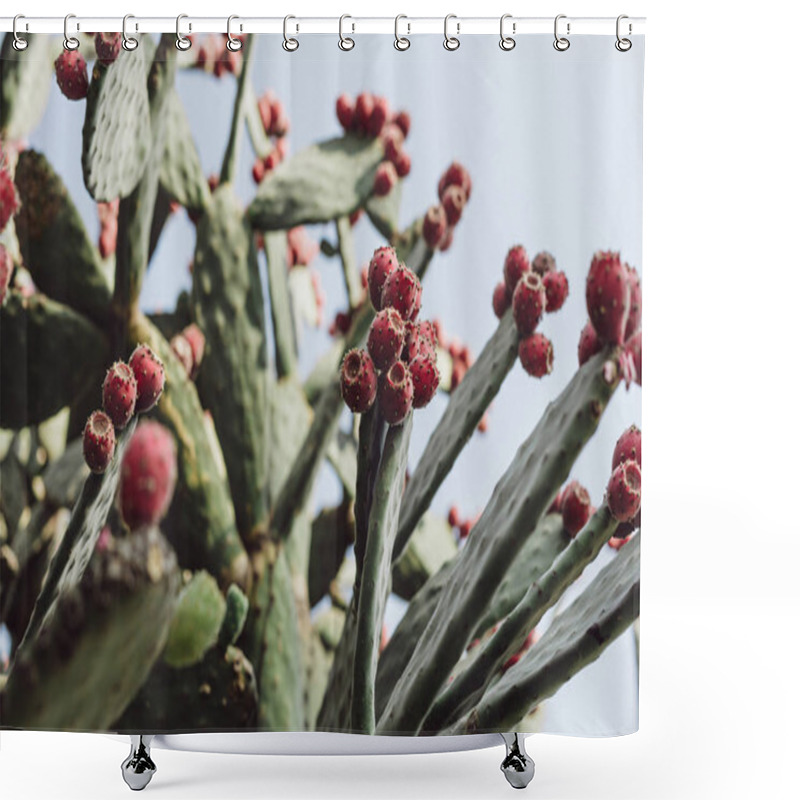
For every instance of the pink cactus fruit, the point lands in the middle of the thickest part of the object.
(385, 179)
(425, 377)
(403, 121)
(588, 344)
(634, 323)
(107, 46)
(453, 517)
(6, 268)
(419, 341)
(556, 288)
(395, 393)
(149, 373)
(624, 492)
(576, 507)
(608, 296)
(365, 102)
(434, 226)
(386, 338)
(108, 214)
(183, 352)
(379, 116)
(628, 448)
(119, 394)
(536, 355)
(189, 346)
(515, 266)
(279, 119)
(500, 300)
(302, 249)
(528, 302)
(453, 201)
(392, 139)
(345, 111)
(402, 291)
(633, 347)
(98, 442)
(455, 175)
(543, 263)
(402, 164)
(358, 381)
(72, 75)
(9, 199)
(147, 476)
(382, 264)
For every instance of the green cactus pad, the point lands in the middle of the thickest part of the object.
(53, 241)
(117, 615)
(431, 546)
(197, 622)
(321, 183)
(116, 131)
(25, 79)
(384, 212)
(236, 607)
(36, 380)
(576, 638)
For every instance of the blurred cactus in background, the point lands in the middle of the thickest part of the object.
(159, 563)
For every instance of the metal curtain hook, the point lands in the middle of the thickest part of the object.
(507, 42)
(561, 43)
(623, 45)
(345, 42)
(233, 44)
(401, 42)
(19, 43)
(181, 41)
(128, 42)
(70, 42)
(289, 44)
(451, 42)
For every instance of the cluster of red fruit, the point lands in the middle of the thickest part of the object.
(455, 188)
(214, 55)
(276, 125)
(370, 115)
(462, 525)
(614, 302)
(531, 288)
(189, 346)
(72, 74)
(399, 366)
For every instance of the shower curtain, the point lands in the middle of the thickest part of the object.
(321, 385)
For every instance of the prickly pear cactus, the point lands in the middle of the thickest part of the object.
(263, 541)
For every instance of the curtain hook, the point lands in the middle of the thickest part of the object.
(289, 44)
(623, 45)
(128, 42)
(401, 42)
(345, 42)
(233, 44)
(561, 43)
(19, 43)
(70, 42)
(507, 42)
(451, 42)
(182, 42)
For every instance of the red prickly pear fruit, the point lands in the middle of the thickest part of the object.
(259, 171)
(430, 331)
(455, 175)
(453, 517)
(365, 102)
(9, 199)
(628, 448)
(402, 163)
(382, 264)
(72, 75)
(500, 300)
(419, 342)
(618, 542)
(515, 266)
(528, 303)
(425, 377)
(107, 46)
(387, 335)
(465, 528)
(589, 344)
(434, 226)
(624, 492)
(379, 116)
(149, 372)
(119, 394)
(147, 475)
(358, 381)
(395, 393)
(536, 355)
(6, 268)
(279, 120)
(608, 296)
(385, 179)
(576, 507)
(453, 201)
(635, 313)
(403, 121)
(556, 287)
(447, 240)
(543, 263)
(633, 347)
(345, 111)
(108, 214)
(99, 442)
(392, 138)
(555, 506)
(402, 291)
